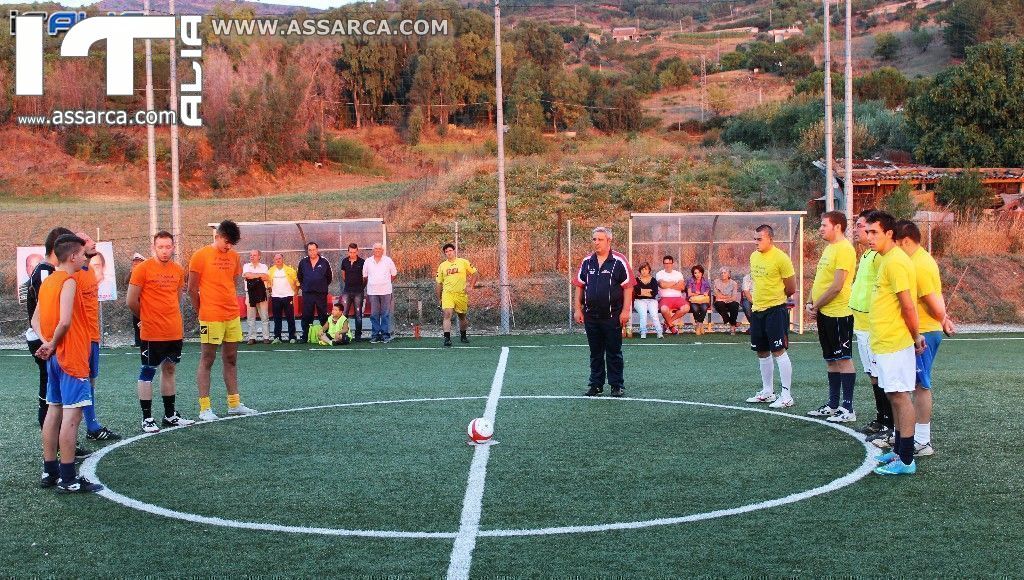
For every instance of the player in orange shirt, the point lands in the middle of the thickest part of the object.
(61, 321)
(91, 291)
(214, 273)
(154, 296)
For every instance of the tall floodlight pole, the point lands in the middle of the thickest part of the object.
(830, 202)
(504, 292)
(848, 121)
(150, 133)
(175, 200)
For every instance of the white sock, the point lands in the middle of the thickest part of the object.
(767, 375)
(922, 433)
(785, 373)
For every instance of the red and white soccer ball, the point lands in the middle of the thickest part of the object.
(480, 430)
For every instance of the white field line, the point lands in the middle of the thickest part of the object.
(472, 504)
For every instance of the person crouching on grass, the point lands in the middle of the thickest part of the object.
(335, 331)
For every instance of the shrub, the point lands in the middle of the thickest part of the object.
(525, 141)
(901, 203)
(887, 46)
(964, 193)
(349, 153)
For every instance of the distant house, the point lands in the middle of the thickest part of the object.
(780, 34)
(625, 33)
(874, 180)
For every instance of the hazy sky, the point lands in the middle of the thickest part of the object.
(310, 3)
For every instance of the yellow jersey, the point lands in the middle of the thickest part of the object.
(452, 275)
(767, 271)
(888, 331)
(928, 282)
(863, 286)
(837, 256)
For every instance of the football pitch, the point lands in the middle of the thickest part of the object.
(358, 466)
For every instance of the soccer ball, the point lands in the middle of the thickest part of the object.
(480, 430)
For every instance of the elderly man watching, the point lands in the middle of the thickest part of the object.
(726, 295)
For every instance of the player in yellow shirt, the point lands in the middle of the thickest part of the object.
(931, 311)
(830, 303)
(895, 339)
(454, 275)
(774, 281)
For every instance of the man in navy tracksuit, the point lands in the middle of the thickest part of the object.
(314, 274)
(604, 301)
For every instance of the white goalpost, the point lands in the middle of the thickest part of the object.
(715, 239)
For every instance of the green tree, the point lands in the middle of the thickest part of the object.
(964, 193)
(972, 115)
(922, 38)
(971, 22)
(887, 46)
(885, 84)
(901, 203)
(524, 99)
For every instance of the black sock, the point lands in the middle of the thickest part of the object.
(906, 451)
(447, 336)
(67, 471)
(882, 406)
(833, 389)
(462, 333)
(147, 408)
(51, 468)
(848, 380)
(168, 405)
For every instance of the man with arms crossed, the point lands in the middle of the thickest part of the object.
(154, 296)
(830, 302)
(454, 275)
(353, 290)
(61, 321)
(90, 289)
(893, 326)
(214, 272)
(774, 280)
(931, 313)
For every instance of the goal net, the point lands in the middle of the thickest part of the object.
(716, 239)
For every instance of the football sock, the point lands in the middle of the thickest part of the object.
(51, 467)
(883, 406)
(833, 389)
(447, 336)
(462, 333)
(234, 400)
(204, 404)
(922, 433)
(906, 450)
(67, 471)
(89, 414)
(785, 373)
(848, 380)
(168, 405)
(147, 408)
(767, 374)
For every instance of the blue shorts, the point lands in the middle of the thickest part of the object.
(64, 389)
(925, 360)
(94, 360)
(769, 329)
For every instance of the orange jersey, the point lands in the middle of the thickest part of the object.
(217, 271)
(73, 351)
(159, 307)
(90, 290)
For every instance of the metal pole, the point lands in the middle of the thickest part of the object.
(830, 202)
(175, 175)
(848, 121)
(150, 133)
(505, 296)
(630, 240)
(456, 236)
(800, 302)
(568, 269)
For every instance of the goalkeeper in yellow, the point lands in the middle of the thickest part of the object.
(454, 275)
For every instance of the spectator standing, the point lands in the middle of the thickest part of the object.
(379, 272)
(645, 300)
(257, 278)
(353, 289)
(137, 259)
(284, 283)
(314, 275)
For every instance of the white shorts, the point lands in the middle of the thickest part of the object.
(897, 371)
(867, 358)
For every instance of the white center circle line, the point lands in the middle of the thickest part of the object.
(88, 470)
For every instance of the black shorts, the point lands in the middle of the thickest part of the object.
(836, 337)
(155, 352)
(769, 329)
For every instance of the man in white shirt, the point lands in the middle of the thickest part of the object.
(378, 273)
(671, 301)
(257, 278)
